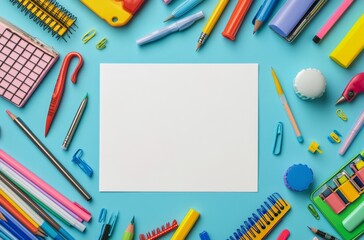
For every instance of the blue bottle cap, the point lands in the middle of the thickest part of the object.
(298, 177)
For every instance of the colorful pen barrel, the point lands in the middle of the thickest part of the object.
(236, 19)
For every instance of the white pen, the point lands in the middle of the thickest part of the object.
(174, 27)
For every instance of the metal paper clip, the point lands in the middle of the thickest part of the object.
(81, 163)
(340, 113)
(313, 211)
(279, 138)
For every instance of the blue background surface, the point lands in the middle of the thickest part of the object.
(221, 213)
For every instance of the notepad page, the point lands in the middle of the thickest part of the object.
(179, 127)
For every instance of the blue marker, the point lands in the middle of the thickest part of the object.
(264, 12)
(182, 9)
(177, 26)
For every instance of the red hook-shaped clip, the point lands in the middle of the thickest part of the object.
(59, 87)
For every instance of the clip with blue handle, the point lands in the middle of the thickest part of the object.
(278, 140)
(81, 163)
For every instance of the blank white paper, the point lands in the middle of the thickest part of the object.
(179, 127)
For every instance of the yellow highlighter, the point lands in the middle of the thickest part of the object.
(211, 22)
(186, 225)
(351, 46)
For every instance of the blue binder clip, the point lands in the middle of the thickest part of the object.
(279, 138)
(81, 163)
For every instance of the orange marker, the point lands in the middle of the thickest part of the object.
(236, 19)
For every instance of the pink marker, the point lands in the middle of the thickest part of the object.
(357, 127)
(74, 207)
(333, 19)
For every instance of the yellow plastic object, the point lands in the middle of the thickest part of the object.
(335, 137)
(314, 147)
(351, 46)
(111, 11)
(186, 225)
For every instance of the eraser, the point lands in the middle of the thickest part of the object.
(309, 84)
(351, 45)
(294, 16)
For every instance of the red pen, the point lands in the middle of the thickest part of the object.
(59, 87)
(236, 19)
(354, 87)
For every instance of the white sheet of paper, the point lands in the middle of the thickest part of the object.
(179, 127)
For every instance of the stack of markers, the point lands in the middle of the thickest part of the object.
(22, 198)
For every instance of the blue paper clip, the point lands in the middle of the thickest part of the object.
(279, 138)
(81, 163)
(112, 222)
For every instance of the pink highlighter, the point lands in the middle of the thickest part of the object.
(332, 20)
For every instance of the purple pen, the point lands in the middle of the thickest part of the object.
(357, 127)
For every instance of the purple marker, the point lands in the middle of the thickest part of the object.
(294, 16)
(358, 125)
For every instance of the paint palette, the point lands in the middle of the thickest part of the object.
(24, 62)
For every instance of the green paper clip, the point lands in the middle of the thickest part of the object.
(101, 44)
(313, 211)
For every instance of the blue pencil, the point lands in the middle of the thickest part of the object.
(18, 235)
(16, 224)
(3, 236)
(8, 234)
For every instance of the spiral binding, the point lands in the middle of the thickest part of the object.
(159, 232)
(264, 220)
(49, 15)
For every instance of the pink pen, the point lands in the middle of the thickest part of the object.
(74, 207)
(332, 20)
(358, 125)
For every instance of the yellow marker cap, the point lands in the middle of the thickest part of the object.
(351, 46)
(186, 225)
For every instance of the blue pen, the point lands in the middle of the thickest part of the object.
(182, 9)
(177, 26)
(264, 12)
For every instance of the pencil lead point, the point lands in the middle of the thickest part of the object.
(168, 18)
(132, 220)
(254, 32)
(12, 116)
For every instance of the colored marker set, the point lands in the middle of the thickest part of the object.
(341, 198)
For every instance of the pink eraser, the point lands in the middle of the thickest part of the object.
(284, 235)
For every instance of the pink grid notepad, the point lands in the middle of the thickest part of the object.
(24, 62)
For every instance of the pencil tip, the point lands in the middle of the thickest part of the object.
(254, 32)
(12, 116)
(132, 220)
(198, 47)
(168, 18)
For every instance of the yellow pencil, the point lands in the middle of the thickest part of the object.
(20, 210)
(286, 107)
(211, 22)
